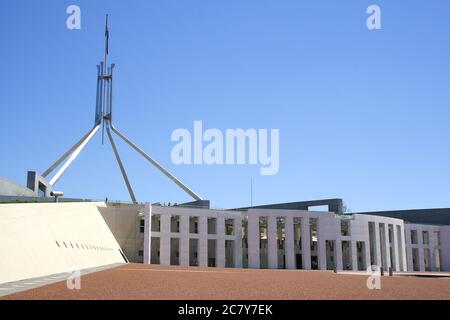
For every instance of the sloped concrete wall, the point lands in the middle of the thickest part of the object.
(123, 220)
(11, 188)
(46, 238)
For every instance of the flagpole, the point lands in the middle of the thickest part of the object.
(106, 40)
(105, 73)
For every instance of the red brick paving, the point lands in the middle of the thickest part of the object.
(138, 282)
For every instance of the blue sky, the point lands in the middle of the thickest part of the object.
(363, 115)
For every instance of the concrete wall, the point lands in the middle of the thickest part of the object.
(328, 229)
(124, 222)
(165, 235)
(382, 246)
(445, 247)
(432, 246)
(11, 188)
(47, 238)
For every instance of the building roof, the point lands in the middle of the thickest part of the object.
(440, 216)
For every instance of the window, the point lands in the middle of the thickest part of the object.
(42, 190)
(175, 224)
(345, 227)
(298, 232)
(141, 253)
(391, 233)
(193, 224)
(212, 223)
(437, 238)
(426, 238)
(156, 223)
(413, 236)
(142, 226)
(229, 227)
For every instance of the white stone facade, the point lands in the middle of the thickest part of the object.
(290, 239)
(184, 234)
(423, 247)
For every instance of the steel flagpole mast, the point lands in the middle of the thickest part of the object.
(103, 117)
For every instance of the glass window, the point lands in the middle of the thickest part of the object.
(175, 224)
(345, 227)
(193, 224)
(229, 227)
(212, 223)
(413, 236)
(437, 238)
(156, 223)
(426, 238)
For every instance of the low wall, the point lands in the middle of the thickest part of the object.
(40, 239)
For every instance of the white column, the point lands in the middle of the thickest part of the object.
(289, 242)
(164, 256)
(306, 243)
(409, 252)
(203, 241)
(147, 233)
(184, 240)
(395, 263)
(237, 242)
(386, 246)
(321, 245)
(367, 252)
(220, 243)
(354, 255)
(432, 255)
(272, 247)
(378, 244)
(420, 248)
(403, 248)
(253, 241)
(339, 263)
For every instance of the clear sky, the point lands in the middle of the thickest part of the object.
(363, 115)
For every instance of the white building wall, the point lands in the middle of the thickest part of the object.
(40, 239)
(445, 247)
(272, 241)
(329, 228)
(220, 243)
(306, 241)
(203, 241)
(147, 234)
(360, 232)
(253, 241)
(164, 240)
(432, 245)
(184, 240)
(289, 245)
(185, 236)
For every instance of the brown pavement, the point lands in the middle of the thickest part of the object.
(138, 281)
